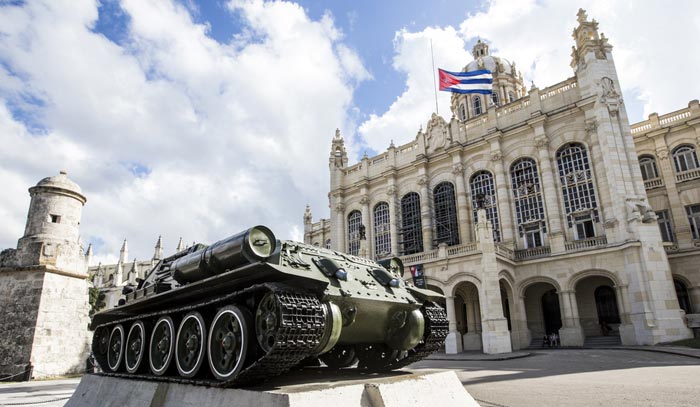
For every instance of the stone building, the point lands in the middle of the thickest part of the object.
(44, 288)
(584, 224)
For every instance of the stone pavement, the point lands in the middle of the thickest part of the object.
(44, 393)
(477, 356)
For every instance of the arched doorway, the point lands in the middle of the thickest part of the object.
(683, 297)
(542, 310)
(468, 315)
(551, 312)
(598, 310)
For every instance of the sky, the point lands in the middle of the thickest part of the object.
(198, 119)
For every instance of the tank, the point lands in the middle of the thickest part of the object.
(250, 307)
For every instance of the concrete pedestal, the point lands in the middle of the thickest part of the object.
(310, 387)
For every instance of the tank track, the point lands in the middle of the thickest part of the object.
(300, 332)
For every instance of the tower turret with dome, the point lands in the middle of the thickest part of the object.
(507, 84)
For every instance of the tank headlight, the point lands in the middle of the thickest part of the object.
(261, 241)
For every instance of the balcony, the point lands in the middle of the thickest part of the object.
(532, 253)
(420, 257)
(586, 244)
(461, 249)
(653, 183)
(687, 175)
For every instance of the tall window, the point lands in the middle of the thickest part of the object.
(354, 222)
(382, 235)
(446, 214)
(528, 201)
(411, 227)
(684, 158)
(495, 99)
(511, 96)
(577, 189)
(665, 226)
(648, 166)
(693, 212)
(462, 112)
(476, 102)
(482, 183)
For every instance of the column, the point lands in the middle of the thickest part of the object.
(393, 220)
(338, 241)
(570, 333)
(527, 335)
(464, 219)
(472, 339)
(504, 206)
(426, 213)
(369, 230)
(549, 192)
(453, 342)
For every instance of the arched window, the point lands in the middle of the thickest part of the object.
(684, 158)
(495, 99)
(511, 96)
(317, 244)
(683, 297)
(528, 202)
(647, 164)
(328, 243)
(445, 214)
(482, 183)
(476, 102)
(577, 188)
(462, 112)
(354, 223)
(382, 236)
(606, 305)
(411, 226)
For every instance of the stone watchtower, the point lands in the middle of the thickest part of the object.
(43, 287)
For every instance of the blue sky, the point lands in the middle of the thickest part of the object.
(201, 118)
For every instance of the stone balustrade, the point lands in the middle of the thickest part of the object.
(653, 183)
(532, 253)
(656, 122)
(464, 248)
(585, 244)
(687, 175)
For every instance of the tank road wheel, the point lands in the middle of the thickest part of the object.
(100, 344)
(376, 357)
(340, 356)
(267, 321)
(162, 345)
(228, 342)
(190, 344)
(115, 350)
(135, 347)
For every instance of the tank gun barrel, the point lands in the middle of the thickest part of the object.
(254, 244)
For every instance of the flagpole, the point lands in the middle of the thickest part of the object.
(432, 57)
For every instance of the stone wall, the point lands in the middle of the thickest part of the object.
(58, 306)
(19, 299)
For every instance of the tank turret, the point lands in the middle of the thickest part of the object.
(249, 307)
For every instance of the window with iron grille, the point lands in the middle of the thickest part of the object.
(411, 227)
(328, 243)
(476, 101)
(495, 99)
(684, 158)
(576, 182)
(482, 183)
(354, 222)
(665, 226)
(445, 214)
(527, 192)
(693, 212)
(648, 166)
(382, 235)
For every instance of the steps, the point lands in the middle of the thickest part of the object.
(602, 341)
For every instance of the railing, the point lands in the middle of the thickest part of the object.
(566, 86)
(598, 241)
(532, 253)
(641, 128)
(672, 117)
(504, 251)
(688, 175)
(653, 183)
(461, 249)
(420, 257)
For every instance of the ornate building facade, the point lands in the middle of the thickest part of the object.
(536, 212)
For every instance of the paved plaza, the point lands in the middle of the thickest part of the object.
(558, 377)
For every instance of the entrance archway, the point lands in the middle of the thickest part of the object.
(468, 315)
(542, 310)
(598, 310)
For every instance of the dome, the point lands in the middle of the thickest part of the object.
(488, 62)
(60, 181)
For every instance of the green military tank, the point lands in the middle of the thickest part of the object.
(250, 307)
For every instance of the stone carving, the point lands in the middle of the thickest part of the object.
(541, 141)
(457, 169)
(340, 207)
(423, 180)
(662, 153)
(639, 209)
(364, 199)
(609, 96)
(437, 134)
(591, 126)
(392, 190)
(480, 63)
(496, 155)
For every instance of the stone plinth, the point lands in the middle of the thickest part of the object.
(310, 387)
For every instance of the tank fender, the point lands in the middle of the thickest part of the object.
(406, 329)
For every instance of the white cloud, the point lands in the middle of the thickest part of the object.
(654, 44)
(222, 136)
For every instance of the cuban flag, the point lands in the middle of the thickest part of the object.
(466, 82)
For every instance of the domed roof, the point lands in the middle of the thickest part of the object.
(60, 181)
(488, 62)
